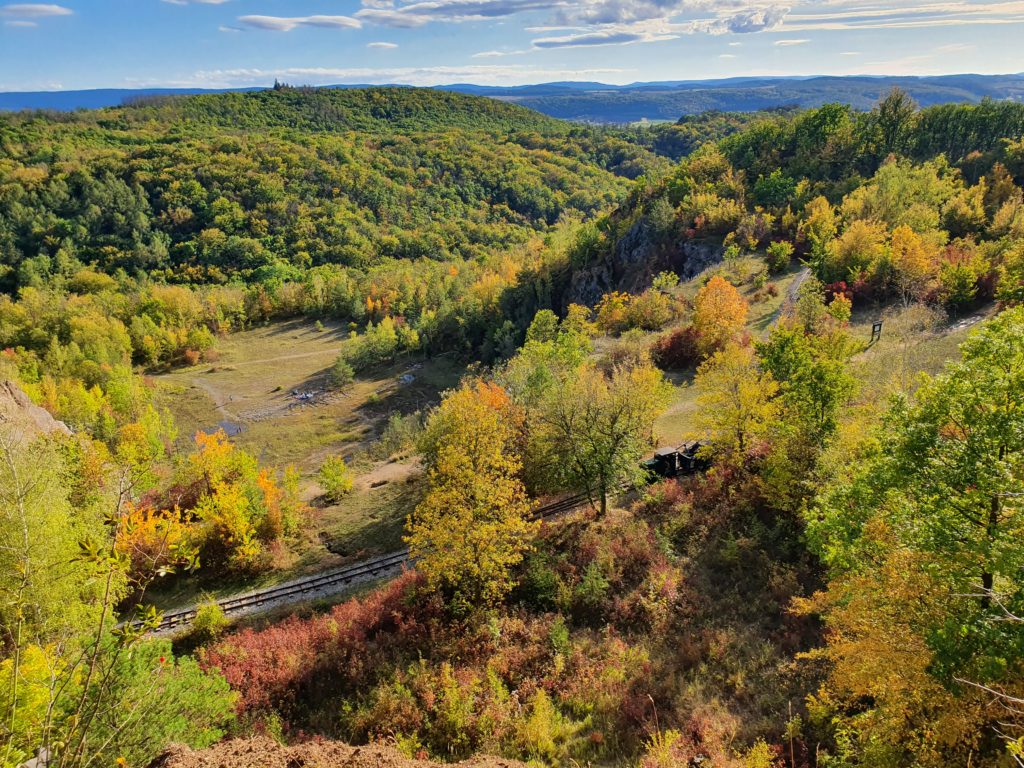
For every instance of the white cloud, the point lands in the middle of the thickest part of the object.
(417, 14)
(589, 23)
(34, 10)
(753, 20)
(499, 54)
(621, 36)
(791, 43)
(382, 45)
(907, 15)
(200, 2)
(727, 55)
(388, 17)
(955, 48)
(288, 23)
(21, 23)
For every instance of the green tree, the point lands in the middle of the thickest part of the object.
(780, 253)
(342, 373)
(544, 327)
(894, 119)
(775, 190)
(597, 427)
(736, 400)
(335, 478)
(818, 228)
(811, 375)
(157, 700)
(948, 484)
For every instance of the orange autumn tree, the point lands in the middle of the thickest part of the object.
(719, 314)
(221, 503)
(245, 509)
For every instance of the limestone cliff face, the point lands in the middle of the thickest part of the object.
(24, 418)
(634, 261)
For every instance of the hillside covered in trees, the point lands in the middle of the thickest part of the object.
(837, 584)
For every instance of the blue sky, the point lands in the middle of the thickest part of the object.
(220, 43)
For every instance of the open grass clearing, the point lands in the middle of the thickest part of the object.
(269, 388)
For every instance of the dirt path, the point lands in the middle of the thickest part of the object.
(792, 294)
(391, 472)
(220, 400)
(297, 356)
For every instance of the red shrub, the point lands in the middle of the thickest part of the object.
(839, 288)
(677, 350)
(300, 659)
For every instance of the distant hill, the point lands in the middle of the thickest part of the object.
(371, 110)
(670, 100)
(601, 103)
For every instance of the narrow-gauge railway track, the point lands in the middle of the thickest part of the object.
(667, 462)
(338, 577)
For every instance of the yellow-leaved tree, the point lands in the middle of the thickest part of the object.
(474, 525)
(736, 400)
(914, 261)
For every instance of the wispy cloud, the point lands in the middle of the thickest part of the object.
(955, 48)
(20, 24)
(34, 10)
(600, 37)
(288, 23)
(500, 54)
(417, 14)
(908, 15)
(791, 43)
(382, 45)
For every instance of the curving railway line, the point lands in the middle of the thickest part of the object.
(667, 462)
(331, 582)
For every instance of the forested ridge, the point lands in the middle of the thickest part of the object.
(839, 585)
(206, 188)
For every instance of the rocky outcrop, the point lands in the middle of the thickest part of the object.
(23, 417)
(634, 261)
(262, 752)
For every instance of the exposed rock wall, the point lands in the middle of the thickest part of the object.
(22, 416)
(634, 261)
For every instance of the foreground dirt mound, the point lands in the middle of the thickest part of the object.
(261, 752)
(24, 417)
